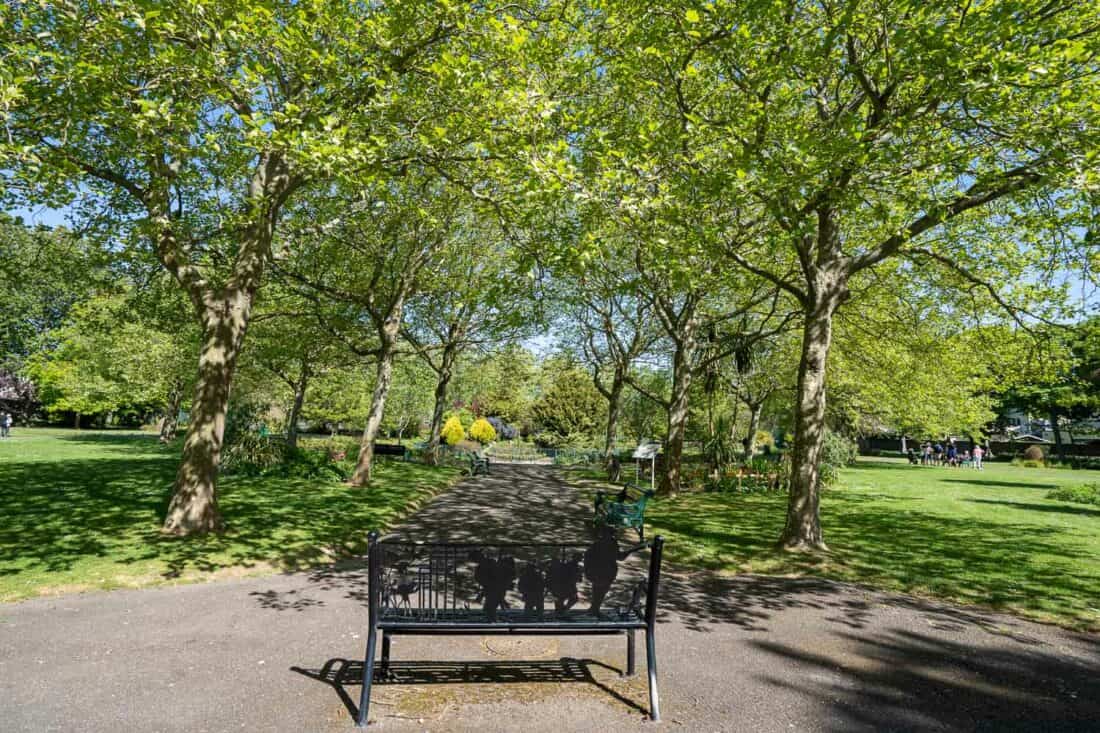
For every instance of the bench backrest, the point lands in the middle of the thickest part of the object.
(428, 581)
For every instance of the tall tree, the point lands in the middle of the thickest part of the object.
(473, 299)
(614, 329)
(845, 135)
(361, 266)
(196, 123)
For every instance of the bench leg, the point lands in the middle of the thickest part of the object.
(651, 660)
(630, 654)
(368, 677)
(385, 653)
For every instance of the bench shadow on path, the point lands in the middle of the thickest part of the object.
(342, 674)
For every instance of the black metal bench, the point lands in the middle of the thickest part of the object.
(451, 589)
(391, 449)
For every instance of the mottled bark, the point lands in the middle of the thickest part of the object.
(296, 406)
(682, 372)
(1059, 448)
(803, 527)
(754, 425)
(614, 409)
(442, 384)
(194, 505)
(224, 312)
(170, 423)
(383, 380)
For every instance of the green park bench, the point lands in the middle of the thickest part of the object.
(478, 464)
(627, 509)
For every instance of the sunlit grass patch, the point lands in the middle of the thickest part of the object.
(82, 510)
(991, 537)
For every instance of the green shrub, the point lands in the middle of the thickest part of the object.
(452, 431)
(252, 454)
(265, 455)
(337, 448)
(719, 450)
(311, 464)
(1079, 494)
(836, 453)
(1028, 463)
(463, 414)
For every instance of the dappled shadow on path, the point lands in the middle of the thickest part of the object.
(341, 674)
(703, 599)
(515, 503)
(875, 660)
(901, 680)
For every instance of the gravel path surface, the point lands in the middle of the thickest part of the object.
(742, 653)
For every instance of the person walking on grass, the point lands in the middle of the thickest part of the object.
(979, 452)
(5, 425)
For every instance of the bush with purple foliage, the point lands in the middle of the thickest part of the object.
(504, 430)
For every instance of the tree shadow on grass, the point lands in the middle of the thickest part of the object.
(899, 680)
(1003, 565)
(891, 465)
(1056, 508)
(100, 518)
(999, 484)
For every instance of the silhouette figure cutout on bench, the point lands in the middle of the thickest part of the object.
(565, 576)
(601, 565)
(532, 586)
(402, 587)
(495, 576)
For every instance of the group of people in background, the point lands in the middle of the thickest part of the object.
(939, 454)
(5, 424)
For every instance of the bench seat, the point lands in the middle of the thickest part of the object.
(507, 620)
(422, 588)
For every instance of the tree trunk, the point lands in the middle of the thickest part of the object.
(614, 408)
(1059, 449)
(296, 406)
(754, 425)
(170, 422)
(803, 528)
(76, 420)
(442, 383)
(678, 410)
(383, 379)
(194, 505)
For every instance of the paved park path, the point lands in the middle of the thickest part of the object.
(736, 653)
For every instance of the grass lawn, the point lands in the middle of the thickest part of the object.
(985, 537)
(82, 510)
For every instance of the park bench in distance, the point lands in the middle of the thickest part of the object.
(391, 449)
(479, 464)
(621, 512)
(471, 588)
